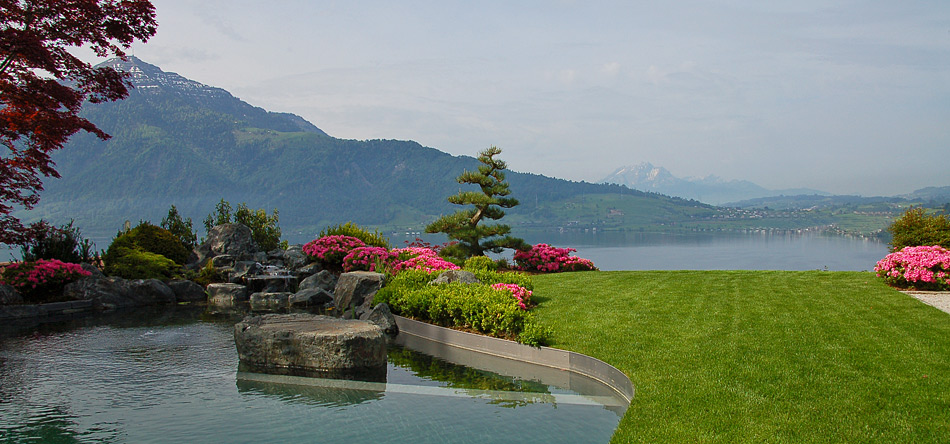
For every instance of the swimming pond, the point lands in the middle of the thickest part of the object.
(175, 378)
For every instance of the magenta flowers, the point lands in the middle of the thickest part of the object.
(41, 279)
(366, 259)
(523, 295)
(920, 268)
(419, 258)
(548, 259)
(331, 249)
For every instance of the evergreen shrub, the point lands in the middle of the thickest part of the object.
(145, 252)
(371, 239)
(916, 228)
(64, 243)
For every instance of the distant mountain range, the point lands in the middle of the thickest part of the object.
(710, 189)
(179, 142)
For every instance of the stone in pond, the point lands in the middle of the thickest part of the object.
(311, 345)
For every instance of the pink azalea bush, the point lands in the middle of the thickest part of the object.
(331, 249)
(920, 268)
(41, 280)
(367, 259)
(523, 295)
(419, 258)
(548, 259)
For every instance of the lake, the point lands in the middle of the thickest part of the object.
(618, 250)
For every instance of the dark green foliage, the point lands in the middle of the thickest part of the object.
(131, 263)
(145, 252)
(264, 229)
(915, 228)
(463, 226)
(65, 243)
(374, 239)
(183, 229)
(473, 306)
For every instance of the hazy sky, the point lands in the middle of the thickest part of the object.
(849, 98)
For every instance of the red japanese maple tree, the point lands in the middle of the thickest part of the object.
(43, 86)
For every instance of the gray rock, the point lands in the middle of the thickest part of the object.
(323, 280)
(355, 287)
(308, 270)
(152, 291)
(270, 301)
(112, 292)
(461, 276)
(231, 239)
(312, 297)
(382, 316)
(271, 284)
(242, 270)
(294, 258)
(223, 261)
(188, 291)
(310, 345)
(9, 295)
(226, 295)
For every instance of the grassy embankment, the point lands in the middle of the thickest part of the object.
(752, 356)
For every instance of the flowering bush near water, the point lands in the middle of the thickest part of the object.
(40, 280)
(545, 258)
(919, 268)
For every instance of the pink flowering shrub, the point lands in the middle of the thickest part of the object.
(42, 280)
(523, 295)
(366, 259)
(919, 268)
(548, 259)
(331, 250)
(419, 258)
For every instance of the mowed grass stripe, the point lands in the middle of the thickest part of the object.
(753, 356)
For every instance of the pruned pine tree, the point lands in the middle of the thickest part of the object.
(476, 239)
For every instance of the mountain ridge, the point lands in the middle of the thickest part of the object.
(710, 189)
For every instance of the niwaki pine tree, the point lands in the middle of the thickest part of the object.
(475, 239)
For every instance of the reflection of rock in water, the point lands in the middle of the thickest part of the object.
(311, 391)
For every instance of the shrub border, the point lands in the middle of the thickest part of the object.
(545, 356)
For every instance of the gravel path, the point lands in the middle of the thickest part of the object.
(939, 299)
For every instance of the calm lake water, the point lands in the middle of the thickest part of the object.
(613, 250)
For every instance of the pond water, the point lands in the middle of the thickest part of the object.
(175, 378)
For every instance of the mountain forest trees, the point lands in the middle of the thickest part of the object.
(43, 85)
(463, 226)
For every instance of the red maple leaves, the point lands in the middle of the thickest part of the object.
(43, 86)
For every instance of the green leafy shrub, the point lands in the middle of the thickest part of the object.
(478, 307)
(371, 239)
(479, 263)
(265, 230)
(208, 275)
(64, 243)
(916, 228)
(130, 263)
(183, 229)
(145, 252)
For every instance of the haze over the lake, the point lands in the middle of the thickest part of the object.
(850, 97)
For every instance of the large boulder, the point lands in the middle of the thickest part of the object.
(311, 345)
(112, 292)
(188, 291)
(312, 297)
(9, 295)
(231, 239)
(324, 280)
(294, 258)
(270, 284)
(354, 288)
(244, 269)
(227, 295)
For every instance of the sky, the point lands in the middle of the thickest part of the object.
(848, 97)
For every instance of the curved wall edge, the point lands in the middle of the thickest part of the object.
(545, 356)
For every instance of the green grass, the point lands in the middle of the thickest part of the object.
(752, 356)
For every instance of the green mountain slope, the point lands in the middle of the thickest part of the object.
(175, 141)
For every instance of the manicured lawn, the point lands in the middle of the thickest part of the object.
(752, 356)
